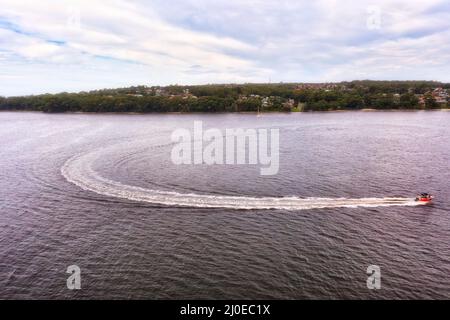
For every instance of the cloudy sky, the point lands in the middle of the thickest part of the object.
(64, 45)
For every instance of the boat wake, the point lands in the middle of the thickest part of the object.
(78, 170)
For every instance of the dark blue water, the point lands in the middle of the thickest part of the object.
(74, 189)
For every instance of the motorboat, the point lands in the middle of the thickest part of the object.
(424, 197)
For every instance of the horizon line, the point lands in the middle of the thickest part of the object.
(217, 84)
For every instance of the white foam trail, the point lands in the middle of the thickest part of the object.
(78, 170)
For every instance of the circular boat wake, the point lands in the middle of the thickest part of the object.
(78, 170)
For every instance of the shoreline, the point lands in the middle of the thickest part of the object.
(243, 112)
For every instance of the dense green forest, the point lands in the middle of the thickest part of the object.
(286, 97)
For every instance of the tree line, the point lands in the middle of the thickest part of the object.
(353, 95)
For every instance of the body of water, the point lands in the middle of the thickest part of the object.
(101, 192)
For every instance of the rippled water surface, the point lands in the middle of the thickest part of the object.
(100, 192)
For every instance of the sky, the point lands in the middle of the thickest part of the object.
(51, 46)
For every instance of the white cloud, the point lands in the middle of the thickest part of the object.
(109, 43)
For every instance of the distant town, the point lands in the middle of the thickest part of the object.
(279, 97)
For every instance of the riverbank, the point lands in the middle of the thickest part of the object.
(240, 112)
